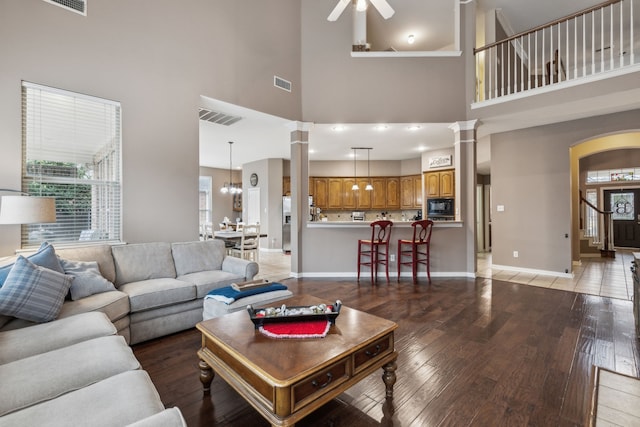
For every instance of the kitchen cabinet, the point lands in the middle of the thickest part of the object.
(439, 184)
(334, 193)
(321, 192)
(364, 196)
(349, 197)
(393, 192)
(286, 186)
(417, 191)
(379, 196)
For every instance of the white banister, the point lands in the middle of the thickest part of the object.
(550, 54)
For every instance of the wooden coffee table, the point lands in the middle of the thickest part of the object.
(287, 379)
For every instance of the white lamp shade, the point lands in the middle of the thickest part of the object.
(27, 210)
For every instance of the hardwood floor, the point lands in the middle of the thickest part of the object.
(478, 352)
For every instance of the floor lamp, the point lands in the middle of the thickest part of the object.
(26, 209)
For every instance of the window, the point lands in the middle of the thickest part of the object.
(71, 151)
(204, 196)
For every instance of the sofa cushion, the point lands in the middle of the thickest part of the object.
(37, 339)
(171, 417)
(87, 279)
(142, 261)
(45, 257)
(114, 304)
(61, 371)
(32, 292)
(191, 257)
(154, 293)
(116, 401)
(98, 253)
(206, 281)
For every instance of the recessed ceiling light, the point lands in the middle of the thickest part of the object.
(411, 39)
(381, 127)
(338, 128)
(413, 127)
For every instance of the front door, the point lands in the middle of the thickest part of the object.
(625, 205)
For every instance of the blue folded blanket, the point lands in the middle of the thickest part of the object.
(229, 295)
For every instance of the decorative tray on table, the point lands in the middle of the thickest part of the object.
(260, 316)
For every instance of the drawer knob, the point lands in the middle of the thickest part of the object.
(323, 385)
(374, 353)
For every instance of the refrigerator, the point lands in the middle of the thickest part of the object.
(286, 224)
(286, 221)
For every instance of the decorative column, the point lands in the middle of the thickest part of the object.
(465, 163)
(299, 172)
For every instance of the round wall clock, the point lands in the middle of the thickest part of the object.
(254, 179)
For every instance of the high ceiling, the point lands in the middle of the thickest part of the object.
(259, 136)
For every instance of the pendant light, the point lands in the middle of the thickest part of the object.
(369, 187)
(230, 187)
(355, 179)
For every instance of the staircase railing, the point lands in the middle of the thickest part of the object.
(588, 210)
(591, 41)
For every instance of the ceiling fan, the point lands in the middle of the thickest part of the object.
(382, 5)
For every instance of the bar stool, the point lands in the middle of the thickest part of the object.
(375, 251)
(418, 248)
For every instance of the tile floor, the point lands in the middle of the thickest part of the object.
(596, 276)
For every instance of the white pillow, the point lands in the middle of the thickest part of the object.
(87, 278)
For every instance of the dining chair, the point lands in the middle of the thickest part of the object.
(375, 251)
(249, 245)
(417, 249)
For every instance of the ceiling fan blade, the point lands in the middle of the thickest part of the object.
(383, 7)
(337, 11)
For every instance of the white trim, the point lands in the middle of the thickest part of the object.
(55, 90)
(463, 125)
(531, 271)
(408, 54)
(629, 69)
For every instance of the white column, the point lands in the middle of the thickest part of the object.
(466, 179)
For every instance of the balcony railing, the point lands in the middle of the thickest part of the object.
(593, 41)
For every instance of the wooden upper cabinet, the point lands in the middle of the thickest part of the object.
(364, 196)
(440, 183)
(406, 192)
(286, 186)
(417, 191)
(334, 193)
(349, 196)
(447, 188)
(393, 192)
(321, 192)
(379, 196)
(432, 184)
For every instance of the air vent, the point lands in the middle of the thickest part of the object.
(77, 6)
(219, 118)
(282, 83)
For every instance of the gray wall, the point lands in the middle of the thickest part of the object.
(156, 57)
(369, 90)
(530, 176)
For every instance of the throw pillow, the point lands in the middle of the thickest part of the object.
(32, 292)
(87, 278)
(45, 257)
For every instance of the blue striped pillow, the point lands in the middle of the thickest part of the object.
(32, 292)
(45, 256)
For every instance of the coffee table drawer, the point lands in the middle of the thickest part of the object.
(306, 390)
(372, 352)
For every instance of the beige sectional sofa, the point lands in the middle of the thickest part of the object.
(79, 369)
(159, 287)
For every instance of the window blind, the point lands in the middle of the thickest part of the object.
(72, 152)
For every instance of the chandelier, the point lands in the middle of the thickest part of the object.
(230, 187)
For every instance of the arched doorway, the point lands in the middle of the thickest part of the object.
(585, 148)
